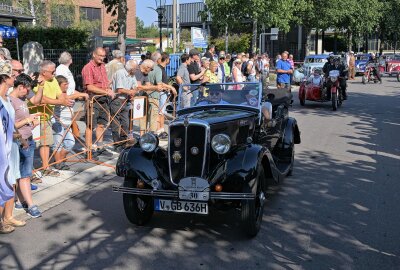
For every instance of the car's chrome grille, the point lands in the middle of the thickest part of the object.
(187, 149)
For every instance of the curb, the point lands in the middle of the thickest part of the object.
(56, 194)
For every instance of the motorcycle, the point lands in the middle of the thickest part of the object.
(369, 74)
(318, 93)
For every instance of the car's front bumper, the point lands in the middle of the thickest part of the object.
(174, 193)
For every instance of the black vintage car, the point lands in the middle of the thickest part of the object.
(226, 145)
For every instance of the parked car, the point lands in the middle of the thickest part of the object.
(361, 62)
(312, 62)
(222, 153)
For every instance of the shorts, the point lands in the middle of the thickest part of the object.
(14, 173)
(163, 100)
(152, 115)
(46, 133)
(26, 159)
(59, 143)
(101, 111)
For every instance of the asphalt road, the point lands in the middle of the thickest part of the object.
(340, 209)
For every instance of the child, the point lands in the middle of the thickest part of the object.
(62, 123)
(316, 78)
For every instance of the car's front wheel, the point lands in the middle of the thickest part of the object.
(398, 77)
(138, 209)
(252, 210)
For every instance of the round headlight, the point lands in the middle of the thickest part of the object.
(221, 144)
(333, 78)
(148, 142)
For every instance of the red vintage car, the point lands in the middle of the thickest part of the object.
(389, 64)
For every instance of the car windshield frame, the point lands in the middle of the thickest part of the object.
(315, 60)
(228, 88)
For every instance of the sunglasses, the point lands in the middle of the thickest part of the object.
(18, 70)
(215, 93)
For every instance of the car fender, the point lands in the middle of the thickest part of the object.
(136, 163)
(241, 168)
(291, 133)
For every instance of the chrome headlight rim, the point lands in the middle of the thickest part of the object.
(219, 148)
(148, 142)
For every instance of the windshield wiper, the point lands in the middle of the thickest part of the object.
(197, 88)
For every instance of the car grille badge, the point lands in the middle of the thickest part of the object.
(178, 142)
(194, 150)
(176, 156)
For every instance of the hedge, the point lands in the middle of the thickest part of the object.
(51, 38)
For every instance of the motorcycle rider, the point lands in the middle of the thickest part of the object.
(374, 62)
(337, 65)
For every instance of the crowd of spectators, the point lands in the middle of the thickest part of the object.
(48, 100)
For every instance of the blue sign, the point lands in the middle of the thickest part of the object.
(8, 31)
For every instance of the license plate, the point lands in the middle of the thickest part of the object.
(181, 206)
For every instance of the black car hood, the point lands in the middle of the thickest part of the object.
(217, 115)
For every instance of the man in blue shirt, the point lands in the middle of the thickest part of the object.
(284, 70)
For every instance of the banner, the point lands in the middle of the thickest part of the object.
(199, 38)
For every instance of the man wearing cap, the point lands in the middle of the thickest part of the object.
(352, 66)
(221, 67)
(214, 96)
(195, 70)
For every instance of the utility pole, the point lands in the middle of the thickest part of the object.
(174, 14)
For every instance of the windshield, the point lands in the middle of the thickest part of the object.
(363, 57)
(243, 94)
(315, 60)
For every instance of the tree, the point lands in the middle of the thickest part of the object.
(145, 31)
(389, 23)
(258, 12)
(119, 8)
(44, 11)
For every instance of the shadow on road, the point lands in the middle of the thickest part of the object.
(333, 213)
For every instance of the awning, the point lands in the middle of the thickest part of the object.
(8, 31)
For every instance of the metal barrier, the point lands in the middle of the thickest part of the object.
(138, 112)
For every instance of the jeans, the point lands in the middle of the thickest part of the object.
(121, 119)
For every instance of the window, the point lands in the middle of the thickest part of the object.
(92, 15)
(62, 15)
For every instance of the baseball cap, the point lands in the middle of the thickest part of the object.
(5, 68)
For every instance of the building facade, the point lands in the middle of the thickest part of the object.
(94, 10)
(66, 13)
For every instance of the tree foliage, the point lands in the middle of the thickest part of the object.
(237, 43)
(146, 31)
(118, 8)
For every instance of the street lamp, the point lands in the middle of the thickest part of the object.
(160, 9)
